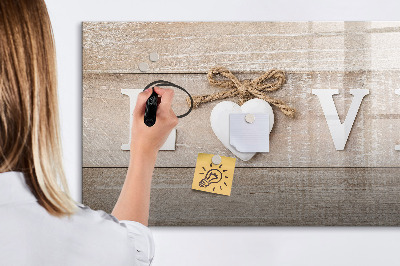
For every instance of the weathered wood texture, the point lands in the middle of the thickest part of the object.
(301, 142)
(262, 196)
(313, 187)
(195, 47)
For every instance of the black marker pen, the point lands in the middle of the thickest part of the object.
(151, 109)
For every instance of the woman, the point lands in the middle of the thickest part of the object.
(39, 222)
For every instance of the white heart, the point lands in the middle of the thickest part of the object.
(219, 119)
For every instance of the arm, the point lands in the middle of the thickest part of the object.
(134, 201)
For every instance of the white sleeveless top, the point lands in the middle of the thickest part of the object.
(29, 235)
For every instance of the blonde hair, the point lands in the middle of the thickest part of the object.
(29, 119)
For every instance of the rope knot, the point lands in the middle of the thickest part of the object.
(246, 89)
(246, 85)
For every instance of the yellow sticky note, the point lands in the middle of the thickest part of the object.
(213, 178)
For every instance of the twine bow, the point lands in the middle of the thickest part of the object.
(246, 89)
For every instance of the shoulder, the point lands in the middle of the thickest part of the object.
(94, 216)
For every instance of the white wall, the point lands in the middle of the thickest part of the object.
(219, 245)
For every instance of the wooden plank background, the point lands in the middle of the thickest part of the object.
(262, 196)
(357, 186)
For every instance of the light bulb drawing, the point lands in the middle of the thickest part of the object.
(213, 176)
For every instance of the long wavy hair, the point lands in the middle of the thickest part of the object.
(29, 119)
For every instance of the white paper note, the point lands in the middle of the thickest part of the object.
(249, 137)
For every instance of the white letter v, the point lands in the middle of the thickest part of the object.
(339, 132)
